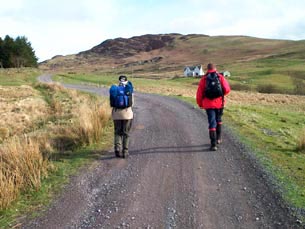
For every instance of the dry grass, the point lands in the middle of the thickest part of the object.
(22, 167)
(290, 101)
(235, 97)
(87, 115)
(92, 119)
(165, 90)
(19, 107)
(67, 120)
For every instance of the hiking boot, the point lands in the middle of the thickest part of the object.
(117, 145)
(213, 148)
(125, 146)
(213, 140)
(117, 153)
(125, 153)
(212, 137)
(218, 134)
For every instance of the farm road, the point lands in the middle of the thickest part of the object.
(170, 180)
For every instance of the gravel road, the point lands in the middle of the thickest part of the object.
(170, 180)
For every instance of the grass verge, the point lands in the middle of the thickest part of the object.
(65, 165)
(18, 76)
(37, 160)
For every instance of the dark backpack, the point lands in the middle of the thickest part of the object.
(213, 87)
(120, 96)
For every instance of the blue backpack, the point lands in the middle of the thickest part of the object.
(120, 96)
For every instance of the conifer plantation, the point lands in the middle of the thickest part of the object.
(16, 53)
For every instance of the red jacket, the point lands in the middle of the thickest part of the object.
(206, 103)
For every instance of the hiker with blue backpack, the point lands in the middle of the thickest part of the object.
(121, 101)
(210, 96)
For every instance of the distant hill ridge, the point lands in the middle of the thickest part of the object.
(125, 47)
(171, 52)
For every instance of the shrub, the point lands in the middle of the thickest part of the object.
(240, 87)
(266, 88)
(271, 89)
(299, 86)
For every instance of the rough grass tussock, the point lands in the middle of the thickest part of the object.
(64, 120)
(22, 167)
(92, 122)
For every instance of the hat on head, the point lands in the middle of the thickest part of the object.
(122, 78)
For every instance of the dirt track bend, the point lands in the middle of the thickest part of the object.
(170, 180)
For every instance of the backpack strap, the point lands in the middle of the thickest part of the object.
(223, 96)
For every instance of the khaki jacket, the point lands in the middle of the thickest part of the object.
(122, 114)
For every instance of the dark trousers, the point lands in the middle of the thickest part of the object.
(214, 118)
(121, 134)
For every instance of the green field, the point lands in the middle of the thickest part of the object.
(285, 75)
(18, 77)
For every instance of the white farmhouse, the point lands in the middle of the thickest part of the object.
(193, 71)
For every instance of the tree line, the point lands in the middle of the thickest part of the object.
(16, 53)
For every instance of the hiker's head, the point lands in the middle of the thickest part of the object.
(211, 66)
(122, 79)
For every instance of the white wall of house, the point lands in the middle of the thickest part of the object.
(187, 72)
(198, 71)
(193, 71)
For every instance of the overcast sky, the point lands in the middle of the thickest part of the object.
(61, 27)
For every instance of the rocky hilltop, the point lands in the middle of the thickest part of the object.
(123, 47)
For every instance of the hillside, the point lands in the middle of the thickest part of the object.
(122, 48)
(169, 53)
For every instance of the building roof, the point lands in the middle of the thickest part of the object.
(192, 68)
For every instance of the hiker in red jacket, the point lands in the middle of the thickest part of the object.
(210, 96)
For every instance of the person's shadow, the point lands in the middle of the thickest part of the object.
(192, 149)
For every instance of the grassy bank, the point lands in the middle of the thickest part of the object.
(283, 75)
(275, 133)
(273, 125)
(33, 201)
(46, 134)
(18, 76)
